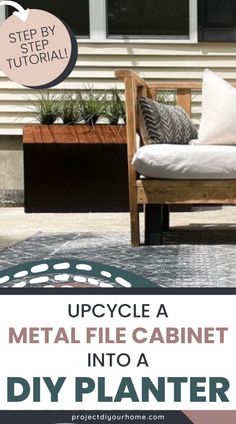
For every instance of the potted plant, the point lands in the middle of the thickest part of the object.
(46, 108)
(114, 107)
(69, 111)
(91, 105)
(75, 159)
(98, 114)
(101, 112)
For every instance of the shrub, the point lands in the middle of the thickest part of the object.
(69, 109)
(46, 108)
(91, 105)
(114, 107)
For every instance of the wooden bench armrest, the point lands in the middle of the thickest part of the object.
(122, 74)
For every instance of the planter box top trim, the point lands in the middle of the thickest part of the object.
(74, 134)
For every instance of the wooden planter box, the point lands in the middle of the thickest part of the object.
(75, 168)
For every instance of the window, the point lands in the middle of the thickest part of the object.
(76, 14)
(216, 20)
(187, 21)
(148, 19)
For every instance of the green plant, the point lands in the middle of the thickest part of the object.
(46, 108)
(167, 97)
(91, 105)
(114, 107)
(123, 111)
(69, 109)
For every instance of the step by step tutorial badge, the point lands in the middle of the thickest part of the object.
(38, 50)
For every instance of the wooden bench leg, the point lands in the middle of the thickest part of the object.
(134, 225)
(166, 218)
(153, 224)
(134, 219)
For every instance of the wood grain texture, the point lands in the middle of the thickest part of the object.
(168, 85)
(174, 85)
(74, 134)
(131, 116)
(129, 73)
(184, 99)
(186, 191)
(152, 92)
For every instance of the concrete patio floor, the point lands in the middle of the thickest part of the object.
(15, 225)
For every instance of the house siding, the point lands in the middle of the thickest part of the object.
(96, 64)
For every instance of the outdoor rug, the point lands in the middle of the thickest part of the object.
(186, 259)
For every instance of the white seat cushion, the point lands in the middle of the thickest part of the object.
(169, 161)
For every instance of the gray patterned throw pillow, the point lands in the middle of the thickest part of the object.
(163, 124)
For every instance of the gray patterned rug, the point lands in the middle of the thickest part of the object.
(187, 259)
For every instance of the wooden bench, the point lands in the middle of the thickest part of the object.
(157, 195)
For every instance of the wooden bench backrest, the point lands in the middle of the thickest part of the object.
(135, 86)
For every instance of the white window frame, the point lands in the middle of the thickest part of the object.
(2, 14)
(98, 31)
